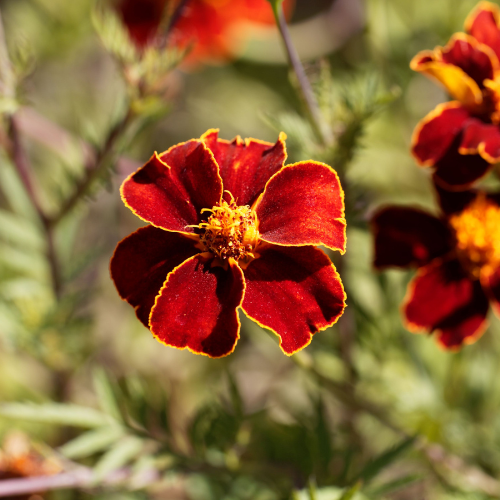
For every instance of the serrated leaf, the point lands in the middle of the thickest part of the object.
(118, 456)
(91, 442)
(384, 460)
(55, 413)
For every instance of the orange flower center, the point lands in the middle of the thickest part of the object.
(231, 231)
(477, 230)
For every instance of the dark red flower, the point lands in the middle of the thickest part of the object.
(231, 226)
(458, 261)
(214, 29)
(461, 139)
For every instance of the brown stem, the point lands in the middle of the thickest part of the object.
(21, 163)
(304, 87)
(93, 169)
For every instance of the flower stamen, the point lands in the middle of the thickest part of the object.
(477, 230)
(231, 231)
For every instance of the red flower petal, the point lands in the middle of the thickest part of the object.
(196, 308)
(295, 292)
(443, 298)
(482, 23)
(434, 134)
(476, 60)
(455, 171)
(461, 67)
(303, 204)
(216, 31)
(171, 189)
(246, 166)
(452, 202)
(481, 138)
(408, 237)
(141, 263)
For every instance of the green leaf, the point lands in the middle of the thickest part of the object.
(395, 485)
(311, 489)
(14, 192)
(106, 394)
(236, 401)
(92, 442)
(384, 460)
(113, 33)
(120, 455)
(20, 231)
(349, 494)
(55, 413)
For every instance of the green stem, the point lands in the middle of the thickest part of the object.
(304, 86)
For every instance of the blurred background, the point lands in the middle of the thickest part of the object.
(372, 411)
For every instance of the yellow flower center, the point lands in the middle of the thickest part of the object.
(477, 230)
(231, 231)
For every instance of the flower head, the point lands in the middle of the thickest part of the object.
(458, 261)
(213, 29)
(461, 139)
(231, 226)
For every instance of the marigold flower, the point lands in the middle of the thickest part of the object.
(461, 138)
(231, 226)
(212, 27)
(458, 261)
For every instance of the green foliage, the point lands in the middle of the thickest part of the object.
(373, 468)
(323, 425)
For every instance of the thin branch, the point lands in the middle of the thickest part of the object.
(21, 163)
(82, 477)
(37, 127)
(304, 87)
(94, 168)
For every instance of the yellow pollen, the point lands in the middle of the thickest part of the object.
(231, 231)
(477, 230)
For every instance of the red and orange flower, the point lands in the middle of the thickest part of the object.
(231, 226)
(461, 139)
(214, 28)
(458, 261)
